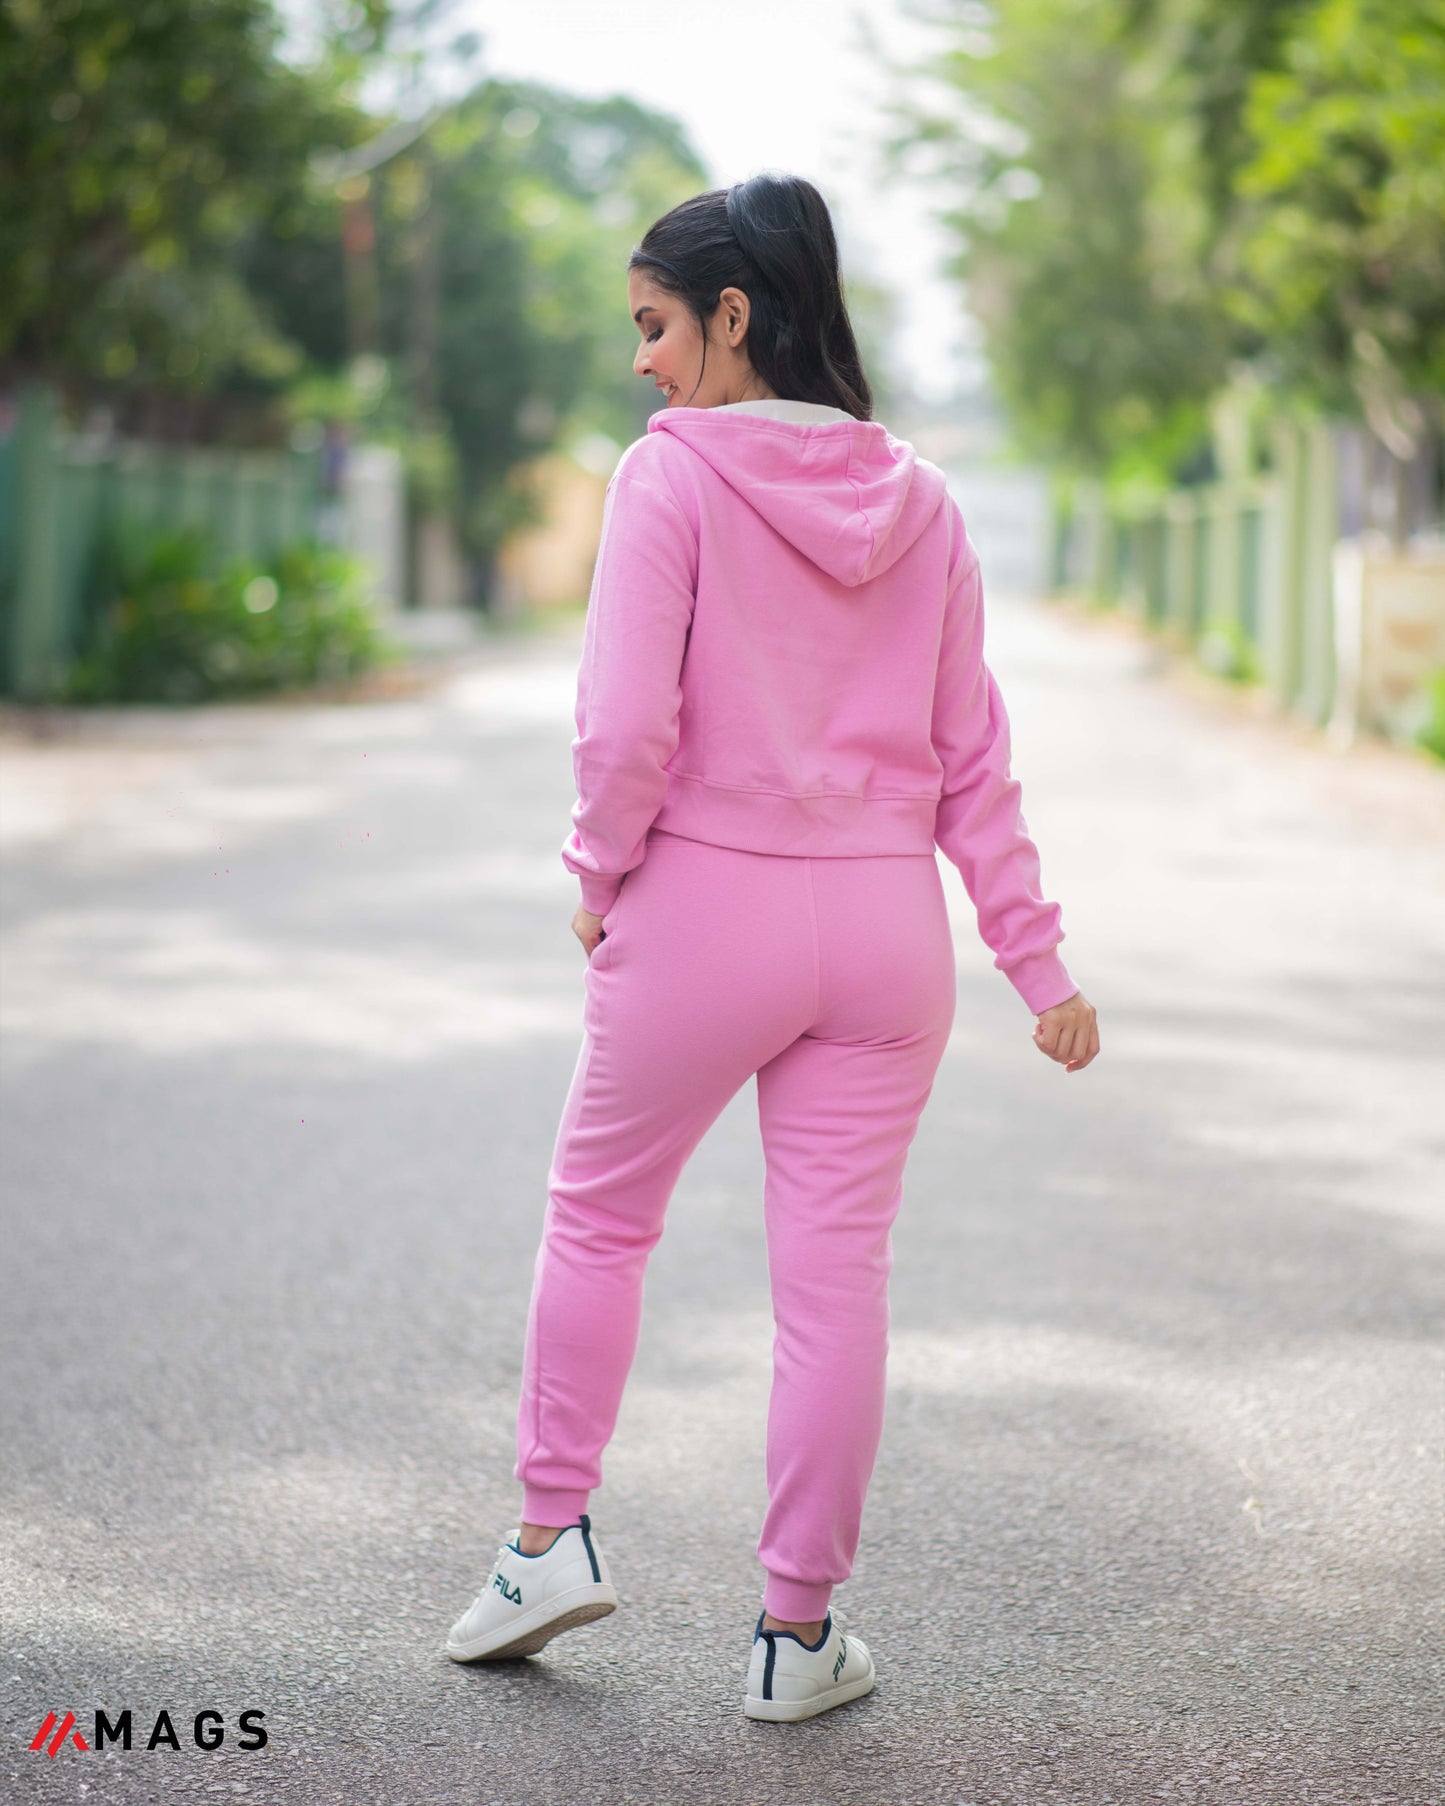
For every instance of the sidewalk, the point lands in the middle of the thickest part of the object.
(1383, 786)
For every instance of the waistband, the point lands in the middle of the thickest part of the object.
(656, 836)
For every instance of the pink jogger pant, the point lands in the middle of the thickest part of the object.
(832, 979)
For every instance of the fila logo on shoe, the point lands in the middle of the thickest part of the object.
(508, 1592)
(842, 1657)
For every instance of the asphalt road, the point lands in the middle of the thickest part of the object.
(291, 1005)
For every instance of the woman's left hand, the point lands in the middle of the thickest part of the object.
(588, 929)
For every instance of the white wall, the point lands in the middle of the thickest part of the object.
(374, 504)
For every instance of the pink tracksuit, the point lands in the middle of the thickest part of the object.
(783, 708)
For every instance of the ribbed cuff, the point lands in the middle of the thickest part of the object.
(557, 1510)
(1042, 980)
(797, 1601)
(599, 893)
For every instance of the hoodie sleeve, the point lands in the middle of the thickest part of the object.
(629, 685)
(980, 825)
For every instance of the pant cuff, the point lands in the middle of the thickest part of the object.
(547, 1505)
(797, 1601)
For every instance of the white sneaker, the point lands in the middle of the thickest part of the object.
(528, 1599)
(787, 1679)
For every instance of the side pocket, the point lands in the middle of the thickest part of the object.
(602, 952)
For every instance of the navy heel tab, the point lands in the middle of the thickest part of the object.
(584, 1523)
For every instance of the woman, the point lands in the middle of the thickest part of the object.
(782, 709)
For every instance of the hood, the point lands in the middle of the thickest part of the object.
(844, 492)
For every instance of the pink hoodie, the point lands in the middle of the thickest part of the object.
(784, 652)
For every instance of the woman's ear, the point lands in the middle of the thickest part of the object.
(737, 310)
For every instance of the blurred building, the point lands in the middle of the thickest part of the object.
(549, 566)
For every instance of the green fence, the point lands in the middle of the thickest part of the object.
(65, 500)
(1239, 570)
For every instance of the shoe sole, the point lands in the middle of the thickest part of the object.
(529, 1634)
(788, 1711)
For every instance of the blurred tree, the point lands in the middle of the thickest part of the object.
(1079, 229)
(1204, 55)
(172, 220)
(540, 196)
(1339, 232)
(1146, 194)
(140, 139)
(502, 242)
(1319, 127)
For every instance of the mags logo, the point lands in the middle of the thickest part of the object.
(208, 1732)
(62, 1728)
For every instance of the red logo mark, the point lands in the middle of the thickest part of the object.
(62, 1729)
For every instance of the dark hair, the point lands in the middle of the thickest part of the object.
(772, 237)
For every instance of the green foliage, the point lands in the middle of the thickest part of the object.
(1079, 235)
(1432, 734)
(141, 141)
(177, 630)
(1226, 649)
(540, 197)
(373, 411)
(433, 483)
(1149, 196)
(500, 263)
(1341, 227)
(172, 221)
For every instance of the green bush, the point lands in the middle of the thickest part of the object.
(1432, 734)
(1226, 649)
(178, 630)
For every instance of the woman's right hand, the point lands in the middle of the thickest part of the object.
(1069, 1032)
(588, 929)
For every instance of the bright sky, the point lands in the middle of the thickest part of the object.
(762, 84)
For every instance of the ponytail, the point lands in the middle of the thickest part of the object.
(771, 236)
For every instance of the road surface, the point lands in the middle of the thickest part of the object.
(291, 1005)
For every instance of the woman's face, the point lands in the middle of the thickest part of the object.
(671, 349)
